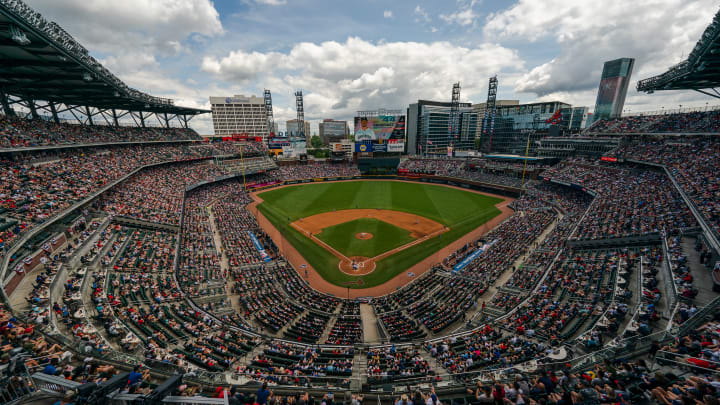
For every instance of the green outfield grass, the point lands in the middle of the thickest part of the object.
(385, 237)
(459, 210)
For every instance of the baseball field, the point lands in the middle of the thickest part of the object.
(372, 230)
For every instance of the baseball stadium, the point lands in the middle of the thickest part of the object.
(438, 253)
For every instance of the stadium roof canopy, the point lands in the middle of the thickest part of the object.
(701, 70)
(41, 61)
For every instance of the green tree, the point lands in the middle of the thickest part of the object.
(316, 142)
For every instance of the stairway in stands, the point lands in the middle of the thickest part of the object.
(369, 322)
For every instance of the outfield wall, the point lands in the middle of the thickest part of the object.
(505, 191)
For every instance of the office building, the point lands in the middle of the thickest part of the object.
(292, 127)
(428, 128)
(613, 88)
(480, 110)
(333, 131)
(516, 124)
(239, 114)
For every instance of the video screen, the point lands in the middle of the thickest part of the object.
(609, 91)
(382, 127)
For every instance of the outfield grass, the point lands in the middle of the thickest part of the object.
(459, 210)
(385, 237)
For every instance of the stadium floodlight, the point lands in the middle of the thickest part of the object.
(87, 77)
(18, 36)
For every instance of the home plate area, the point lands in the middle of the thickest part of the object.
(361, 237)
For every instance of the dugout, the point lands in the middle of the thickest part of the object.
(378, 165)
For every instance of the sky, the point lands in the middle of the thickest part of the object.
(361, 55)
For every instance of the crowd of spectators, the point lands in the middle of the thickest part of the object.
(155, 194)
(480, 170)
(141, 306)
(486, 348)
(314, 170)
(572, 297)
(394, 364)
(34, 187)
(18, 132)
(631, 200)
(42, 355)
(693, 162)
(290, 364)
(692, 122)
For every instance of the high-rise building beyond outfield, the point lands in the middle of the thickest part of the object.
(613, 88)
(428, 128)
(292, 127)
(239, 114)
(333, 131)
(516, 124)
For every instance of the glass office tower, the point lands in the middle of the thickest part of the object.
(613, 88)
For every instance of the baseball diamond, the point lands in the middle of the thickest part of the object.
(409, 222)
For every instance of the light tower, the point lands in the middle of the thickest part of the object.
(269, 112)
(454, 124)
(488, 126)
(300, 112)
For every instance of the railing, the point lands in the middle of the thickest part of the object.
(17, 387)
(698, 318)
(59, 386)
(681, 361)
(669, 279)
(625, 348)
(712, 236)
(672, 111)
(710, 233)
(53, 384)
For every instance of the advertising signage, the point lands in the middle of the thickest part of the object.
(393, 145)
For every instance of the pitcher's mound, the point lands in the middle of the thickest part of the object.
(357, 265)
(364, 235)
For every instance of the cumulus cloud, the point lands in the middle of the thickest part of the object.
(157, 25)
(272, 2)
(654, 32)
(387, 14)
(340, 78)
(464, 16)
(421, 15)
(132, 36)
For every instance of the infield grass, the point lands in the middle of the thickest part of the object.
(385, 237)
(459, 210)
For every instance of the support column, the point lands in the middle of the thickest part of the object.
(6, 105)
(185, 121)
(89, 116)
(167, 123)
(53, 110)
(33, 110)
(142, 119)
(115, 120)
